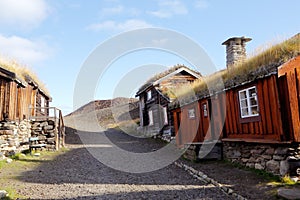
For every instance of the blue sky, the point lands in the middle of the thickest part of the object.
(55, 37)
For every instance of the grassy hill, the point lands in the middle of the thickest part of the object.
(106, 113)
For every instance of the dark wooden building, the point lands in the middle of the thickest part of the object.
(17, 95)
(154, 99)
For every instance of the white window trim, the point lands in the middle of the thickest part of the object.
(191, 113)
(165, 116)
(149, 95)
(150, 114)
(249, 106)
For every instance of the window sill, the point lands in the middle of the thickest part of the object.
(250, 119)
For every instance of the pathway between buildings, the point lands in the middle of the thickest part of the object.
(78, 175)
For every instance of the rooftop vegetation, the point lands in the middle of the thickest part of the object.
(163, 74)
(256, 66)
(22, 72)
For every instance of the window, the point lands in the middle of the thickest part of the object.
(42, 104)
(165, 116)
(248, 102)
(149, 95)
(205, 112)
(191, 113)
(150, 115)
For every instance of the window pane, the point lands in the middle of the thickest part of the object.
(245, 112)
(253, 101)
(243, 95)
(254, 110)
(252, 92)
(244, 103)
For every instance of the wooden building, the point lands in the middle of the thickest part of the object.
(259, 106)
(18, 94)
(154, 99)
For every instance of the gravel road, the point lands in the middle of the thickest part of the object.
(78, 175)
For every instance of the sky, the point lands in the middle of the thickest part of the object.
(55, 38)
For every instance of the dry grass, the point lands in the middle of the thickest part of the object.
(163, 74)
(272, 57)
(22, 72)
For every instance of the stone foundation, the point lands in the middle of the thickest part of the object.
(203, 150)
(279, 159)
(14, 136)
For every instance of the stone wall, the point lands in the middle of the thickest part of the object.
(14, 136)
(279, 159)
(203, 151)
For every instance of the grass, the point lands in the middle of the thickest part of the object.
(271, 57)
(21, 161)
(163, 74)
(22, 72)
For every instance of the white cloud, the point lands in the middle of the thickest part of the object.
(201, 4)
(122, 26)
(27, 51)
(23, 14)
(168, 9)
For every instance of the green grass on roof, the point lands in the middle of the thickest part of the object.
(22, 72)
(259, 64)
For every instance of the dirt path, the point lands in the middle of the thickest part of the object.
(78, 175)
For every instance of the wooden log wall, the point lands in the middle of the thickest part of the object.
(289, 73)
(4, 97)
(268, 125)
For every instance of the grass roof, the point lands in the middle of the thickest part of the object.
(23, 73)
(258, 66)
(163, 74)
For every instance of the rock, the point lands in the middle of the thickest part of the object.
(234, 154)
(284, 167)
(258, 166)
(273, 166)
(3, 194)
(9, 160)
(278, 158)
(37, 154)
(269, 151)
(256, 151)
(290, 194)
(281, 151)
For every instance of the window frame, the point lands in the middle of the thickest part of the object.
(191, 113)
(149, 95)
(150, 118)
(249, 106)
(166, 120)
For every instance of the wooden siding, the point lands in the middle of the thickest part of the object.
(15, 100)
(267, 125)
(289, 74)
(4, 97)
(187, 127)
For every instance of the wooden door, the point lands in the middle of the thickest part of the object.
(205, 120)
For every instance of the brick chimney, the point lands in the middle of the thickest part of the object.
(235, 50)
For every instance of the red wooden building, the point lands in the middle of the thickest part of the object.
(260, 105)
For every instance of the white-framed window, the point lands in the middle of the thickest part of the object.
(191, 113)
(149, 95)
(42, 104)
(248, 102)
(150, 115)
(165, 115)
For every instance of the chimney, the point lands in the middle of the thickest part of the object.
(235, 50)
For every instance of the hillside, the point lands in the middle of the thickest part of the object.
(109, 113)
